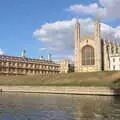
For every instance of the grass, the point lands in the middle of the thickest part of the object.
(71, 79)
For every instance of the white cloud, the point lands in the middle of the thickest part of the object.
(108, 32)
(91, 9)
(59, 36)
(56, 35)
(1, 52)
(42, 49)
(108, 9)
(117, 33)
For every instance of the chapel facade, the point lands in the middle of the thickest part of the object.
(92, 53)
(88, 50)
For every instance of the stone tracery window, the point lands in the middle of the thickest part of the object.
(88, 55)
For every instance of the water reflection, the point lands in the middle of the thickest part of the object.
(19, 106)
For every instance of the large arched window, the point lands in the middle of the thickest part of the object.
(88, 55)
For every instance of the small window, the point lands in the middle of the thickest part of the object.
(113, 59)
(113, 67)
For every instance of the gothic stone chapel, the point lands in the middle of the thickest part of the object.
(89, 55)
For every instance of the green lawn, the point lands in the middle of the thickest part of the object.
(71, 79)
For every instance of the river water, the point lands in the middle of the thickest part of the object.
(29, 106)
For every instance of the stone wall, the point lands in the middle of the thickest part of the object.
(63, 90)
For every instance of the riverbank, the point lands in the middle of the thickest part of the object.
(96, 83)
(62, 90)
(103, 79)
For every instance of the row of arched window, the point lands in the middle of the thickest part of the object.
(112, 49)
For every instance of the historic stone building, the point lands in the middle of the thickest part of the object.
(66, 67)
(92, 53)
(115, 62)
(111, 55)
(10, 65)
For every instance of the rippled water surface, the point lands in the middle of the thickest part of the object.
(24, 106)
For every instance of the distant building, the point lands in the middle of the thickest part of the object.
(10, 65)
(115, 62)
(66, 67)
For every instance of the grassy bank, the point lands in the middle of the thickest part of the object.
(71, 79)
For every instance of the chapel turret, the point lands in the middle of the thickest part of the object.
(77, 44)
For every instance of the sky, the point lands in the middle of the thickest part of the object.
(47, 26)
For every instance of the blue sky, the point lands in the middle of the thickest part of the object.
(20, 19)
